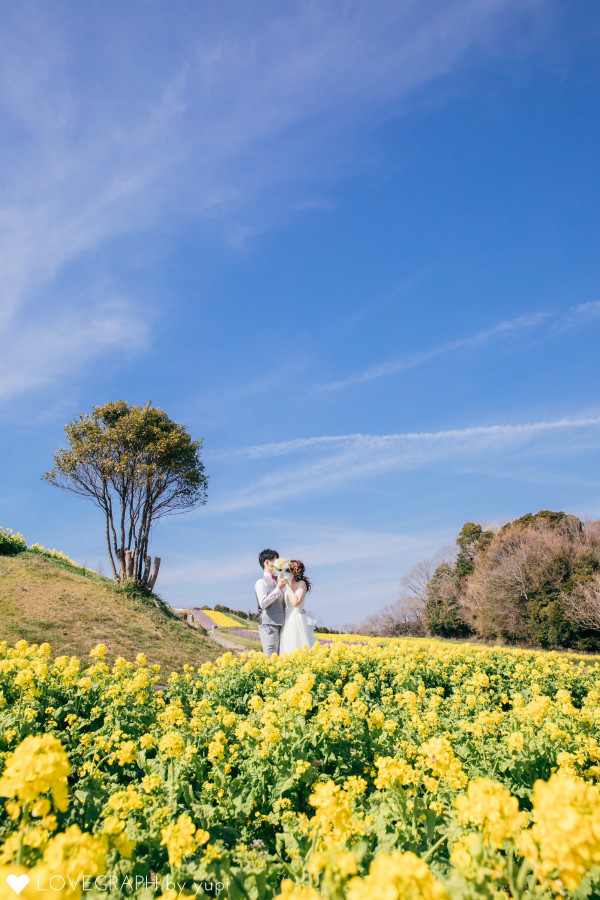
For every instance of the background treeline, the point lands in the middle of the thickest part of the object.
(534, 582)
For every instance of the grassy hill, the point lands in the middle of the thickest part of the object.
(72, 609)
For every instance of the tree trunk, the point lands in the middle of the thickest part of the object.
(146, 575)
(129, 564)
(154, 575)
(122, 564)
(110, 556)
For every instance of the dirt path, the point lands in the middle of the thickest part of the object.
(229, 645)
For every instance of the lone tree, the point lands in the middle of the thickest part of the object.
(137, 465)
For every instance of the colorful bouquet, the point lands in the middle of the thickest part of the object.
(281, 568)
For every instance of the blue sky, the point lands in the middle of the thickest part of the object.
(352, 245)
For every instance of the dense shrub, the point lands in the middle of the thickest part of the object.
(10, 543)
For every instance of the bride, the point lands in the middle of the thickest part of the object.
(298, 628)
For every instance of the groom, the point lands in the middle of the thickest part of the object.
(269, 595)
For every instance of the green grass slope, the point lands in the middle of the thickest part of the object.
(47, 600)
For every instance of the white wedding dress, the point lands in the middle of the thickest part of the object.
(298, 629)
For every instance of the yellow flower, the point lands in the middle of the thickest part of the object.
(126, 753)
(460, 856)
(393, 772)
(178, 837)
(355, 785)
(296, 698)
(13, 809)
(516, 742)
(333, 861)
(171, 745)
(398, 876)
(492, 809)
(123, 801)
(73, 854)
(298, 892)
(351, 691)
(333, 819)
(440, 758)
(564, 840)
(201, 837)
(151, 783)
(41, 808)
(216, 747)
(271, 734)
(112, 825)
(376, 719)
(123, 845)
(10, 848)
(38, 765)
(172, 714)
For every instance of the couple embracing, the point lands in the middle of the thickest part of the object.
(283, 625)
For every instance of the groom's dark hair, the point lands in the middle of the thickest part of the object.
(265, 555)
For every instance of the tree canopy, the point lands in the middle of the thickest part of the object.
(534, 581)
(527, 582)
(137, 466)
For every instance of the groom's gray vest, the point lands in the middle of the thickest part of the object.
(274, 614)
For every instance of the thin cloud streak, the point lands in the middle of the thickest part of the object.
(576, 315)
(582, 314)
(365, 456)
(377, 441)
(419, 359)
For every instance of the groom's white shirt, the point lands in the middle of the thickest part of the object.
(267, 591)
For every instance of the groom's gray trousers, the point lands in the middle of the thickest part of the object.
(271, 619)
(269, 638)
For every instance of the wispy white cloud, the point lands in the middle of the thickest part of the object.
(350, 458)
(549, 320)
(227, 114)
(581, 314)
(59, 345)
(381, 441)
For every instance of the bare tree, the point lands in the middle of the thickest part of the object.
(591, 533)
(405, 615)
(413, 585)
(582, 606)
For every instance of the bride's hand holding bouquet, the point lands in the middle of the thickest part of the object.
(281, 569)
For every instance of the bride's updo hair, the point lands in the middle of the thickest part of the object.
(297, 570)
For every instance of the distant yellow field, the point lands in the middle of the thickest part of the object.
(221, 619)
(348, 638)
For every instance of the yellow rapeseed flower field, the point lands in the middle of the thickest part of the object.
(398, 769)
(220, 619)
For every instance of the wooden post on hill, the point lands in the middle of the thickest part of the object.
(154, 575)
(129, 564)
